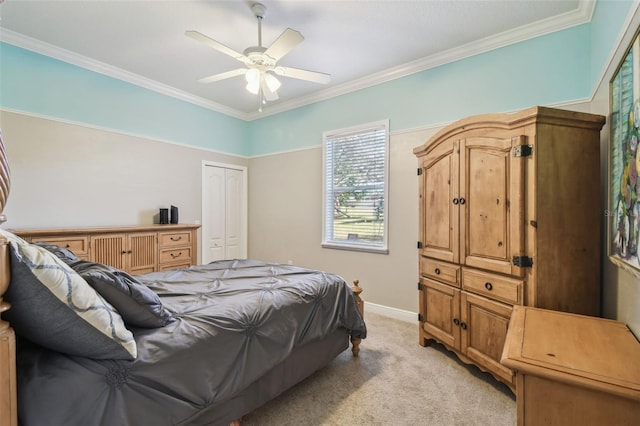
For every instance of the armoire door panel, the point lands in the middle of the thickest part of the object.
(485, 331)
(491, 184)
(441, 215)
(441, 307)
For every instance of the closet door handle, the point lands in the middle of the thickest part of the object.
(456, 201)
(462, 201)
(463, 325)
(456, 321)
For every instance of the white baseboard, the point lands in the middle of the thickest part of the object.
(387, 311)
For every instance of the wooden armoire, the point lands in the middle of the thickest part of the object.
(509, 215)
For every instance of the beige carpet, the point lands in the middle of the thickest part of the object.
(393, 382)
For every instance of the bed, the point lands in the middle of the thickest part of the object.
(198, 346)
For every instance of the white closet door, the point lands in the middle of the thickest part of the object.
(233, 230)
(213, 220)
(223, 217)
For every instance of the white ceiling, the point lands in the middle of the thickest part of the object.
(360, 43)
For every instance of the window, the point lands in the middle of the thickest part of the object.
(356, 208)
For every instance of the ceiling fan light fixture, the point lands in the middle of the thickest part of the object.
(253, 87)
(252, 75)
(272, 82)
(253, 80)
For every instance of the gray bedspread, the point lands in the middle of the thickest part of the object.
(235, 321)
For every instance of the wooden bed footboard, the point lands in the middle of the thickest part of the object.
(8, 391)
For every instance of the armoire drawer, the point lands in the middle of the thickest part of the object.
(440, 271)
(496, 287)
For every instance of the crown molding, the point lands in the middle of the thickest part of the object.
(579, 16)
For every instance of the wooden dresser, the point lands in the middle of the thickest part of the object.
(134, 249)
(509, 215)
(573, 369)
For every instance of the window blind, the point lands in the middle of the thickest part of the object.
(355, 171)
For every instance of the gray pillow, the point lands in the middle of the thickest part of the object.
(54, 307)
(62, 253)
(138, 305)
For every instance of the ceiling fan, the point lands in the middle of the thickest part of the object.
(261, 63)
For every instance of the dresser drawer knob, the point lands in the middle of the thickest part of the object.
(437, 271)
(176, 238)
(173, 255)
(488, 286)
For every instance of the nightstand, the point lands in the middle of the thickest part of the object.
(572, 369)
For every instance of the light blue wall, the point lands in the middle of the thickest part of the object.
(37, 84)
(555, 68)
(607, 25)
(541, 71)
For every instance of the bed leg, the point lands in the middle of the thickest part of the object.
(356, 292)
(355, 342)
(355, 346)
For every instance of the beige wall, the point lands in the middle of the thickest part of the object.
(67, 175)
(285, 221)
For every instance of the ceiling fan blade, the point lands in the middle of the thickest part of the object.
(316, 77)
(222, 76)
(284, 43)
(216, 45)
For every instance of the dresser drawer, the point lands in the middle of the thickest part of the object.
(441, 271)
(496, 287)
(173, 266)
(176, 255)
(78, 245)
(172, 239)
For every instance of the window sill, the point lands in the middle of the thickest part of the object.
(354, 247)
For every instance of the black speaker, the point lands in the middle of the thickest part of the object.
(164, 216)
(174, 214)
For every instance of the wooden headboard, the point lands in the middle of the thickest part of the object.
(8, 391)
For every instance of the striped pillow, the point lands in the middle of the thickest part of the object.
(52, 306)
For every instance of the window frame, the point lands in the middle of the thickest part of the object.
(382, 247)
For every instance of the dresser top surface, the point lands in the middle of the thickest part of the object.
(573, 348)
(103, 229)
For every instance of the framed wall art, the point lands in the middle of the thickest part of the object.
(623, 211)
